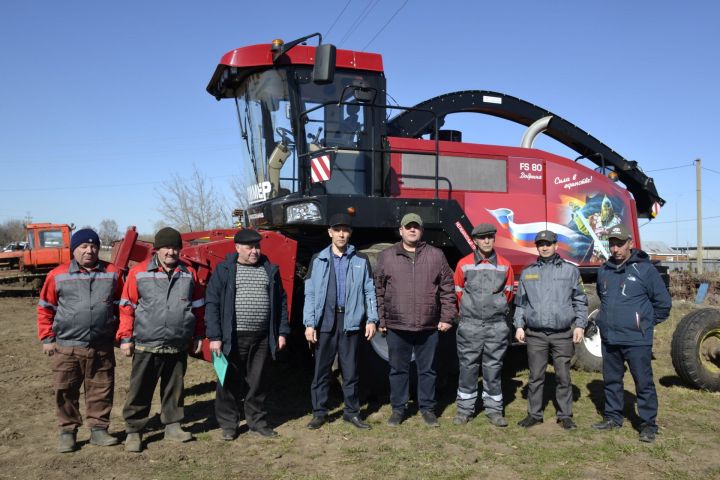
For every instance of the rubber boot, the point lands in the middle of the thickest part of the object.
(101, 438)
(133, 442)
(67, 442)
(175, 433)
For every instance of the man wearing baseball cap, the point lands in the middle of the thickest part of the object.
(339, 296)
(484, 288)
(550, 299)
(246, 320)
(414, 287)
(76, 325)
(633, 299)
(161, 317)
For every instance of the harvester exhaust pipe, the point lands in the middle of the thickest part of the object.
(534, 130)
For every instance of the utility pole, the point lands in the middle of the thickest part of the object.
(698, 181)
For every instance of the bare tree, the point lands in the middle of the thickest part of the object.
(192, 204)
(12, 231)
(108, 232)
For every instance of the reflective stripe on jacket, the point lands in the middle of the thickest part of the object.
(359, 289)
(78, 307)
(484, 286)
(550, 296)
(159, 311)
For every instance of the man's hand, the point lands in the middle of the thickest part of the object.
(370, 329)
(578, 334)
(282, 341)
(444, 326)
(49, 349)
(127, 349)
(216, 347)
(520, 335)
(311, 335)
(197, 346)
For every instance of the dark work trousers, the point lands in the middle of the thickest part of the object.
(73, 366)
(481, 345)
(639, 360)
(560, 345)
(147, 369)
(246, 374)
(401, 345)
(345, 346)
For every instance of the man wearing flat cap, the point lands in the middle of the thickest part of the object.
(484, 288)
(550, 299)
(340, 307)
(77, 320)
(161, 316)
(633, 299)
(246, 320)
(414, 288)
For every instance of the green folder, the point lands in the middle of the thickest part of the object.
(220, 363)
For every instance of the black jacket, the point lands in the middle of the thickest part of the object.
(220, 321)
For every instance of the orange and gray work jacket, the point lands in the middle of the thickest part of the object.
(160, 310)
(78, 306)
(484, 286)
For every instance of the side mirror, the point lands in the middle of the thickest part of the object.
(324, 69)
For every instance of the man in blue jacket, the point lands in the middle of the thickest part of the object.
(339, 293)
(633, 299)
(246, 319)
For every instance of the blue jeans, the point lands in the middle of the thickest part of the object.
(401, 345)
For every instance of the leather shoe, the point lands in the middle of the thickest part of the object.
(647, 435)
(429, 418)
(264, 431)
(460, 419)
(356, 422)
(567, 423)
(133, 442)
(530, 421)
(396, 418)
(317, 422)
(229, 434)
(497, 419)
(67, 442)
(606, 424)
(101, 437)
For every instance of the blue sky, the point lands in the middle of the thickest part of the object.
(102, 102)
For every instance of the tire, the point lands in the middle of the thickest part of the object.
(588, 353)
(695, 349)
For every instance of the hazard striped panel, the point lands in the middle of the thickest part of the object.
(320, 169)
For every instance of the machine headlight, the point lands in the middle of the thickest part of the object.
(303, 213)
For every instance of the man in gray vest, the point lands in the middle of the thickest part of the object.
(550, 299)
(339, 294)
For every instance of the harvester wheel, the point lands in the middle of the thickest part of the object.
(695, 349)
(588, 353)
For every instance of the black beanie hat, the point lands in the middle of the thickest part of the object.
(86, 235)
(167, 237)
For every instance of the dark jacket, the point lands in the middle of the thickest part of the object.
(414, 295)
(550, 296)
(633, 299)
(220, 322)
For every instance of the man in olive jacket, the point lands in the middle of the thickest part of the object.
(246, 318)
(416, 300)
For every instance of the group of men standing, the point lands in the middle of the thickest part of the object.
(412, 298)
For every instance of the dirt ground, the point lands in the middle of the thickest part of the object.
(686, 448)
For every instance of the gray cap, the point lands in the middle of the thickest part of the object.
(546, 236)
(620, 232)
(410, 218)
(484, 229)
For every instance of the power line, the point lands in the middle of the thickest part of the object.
(337, 18)
(361, 18)
(668, 168)
(710, 170)
(685, 220)
(386, 24)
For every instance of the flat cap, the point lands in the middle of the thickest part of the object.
(411, 218)
(247, 236)
(546, 236)
(484, 229)
(620, 232)
(340, 219)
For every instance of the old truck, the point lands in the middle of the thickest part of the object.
(319, 139)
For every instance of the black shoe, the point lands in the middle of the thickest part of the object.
(396, 418)
(460, 419)
(647, 435)
(317, 422)
(606, 424)
(356, 422)
(429, 418)
(530, 421)
(264, 431)
(567, 423)
(229, 434)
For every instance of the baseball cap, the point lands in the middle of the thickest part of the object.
(410, 218)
